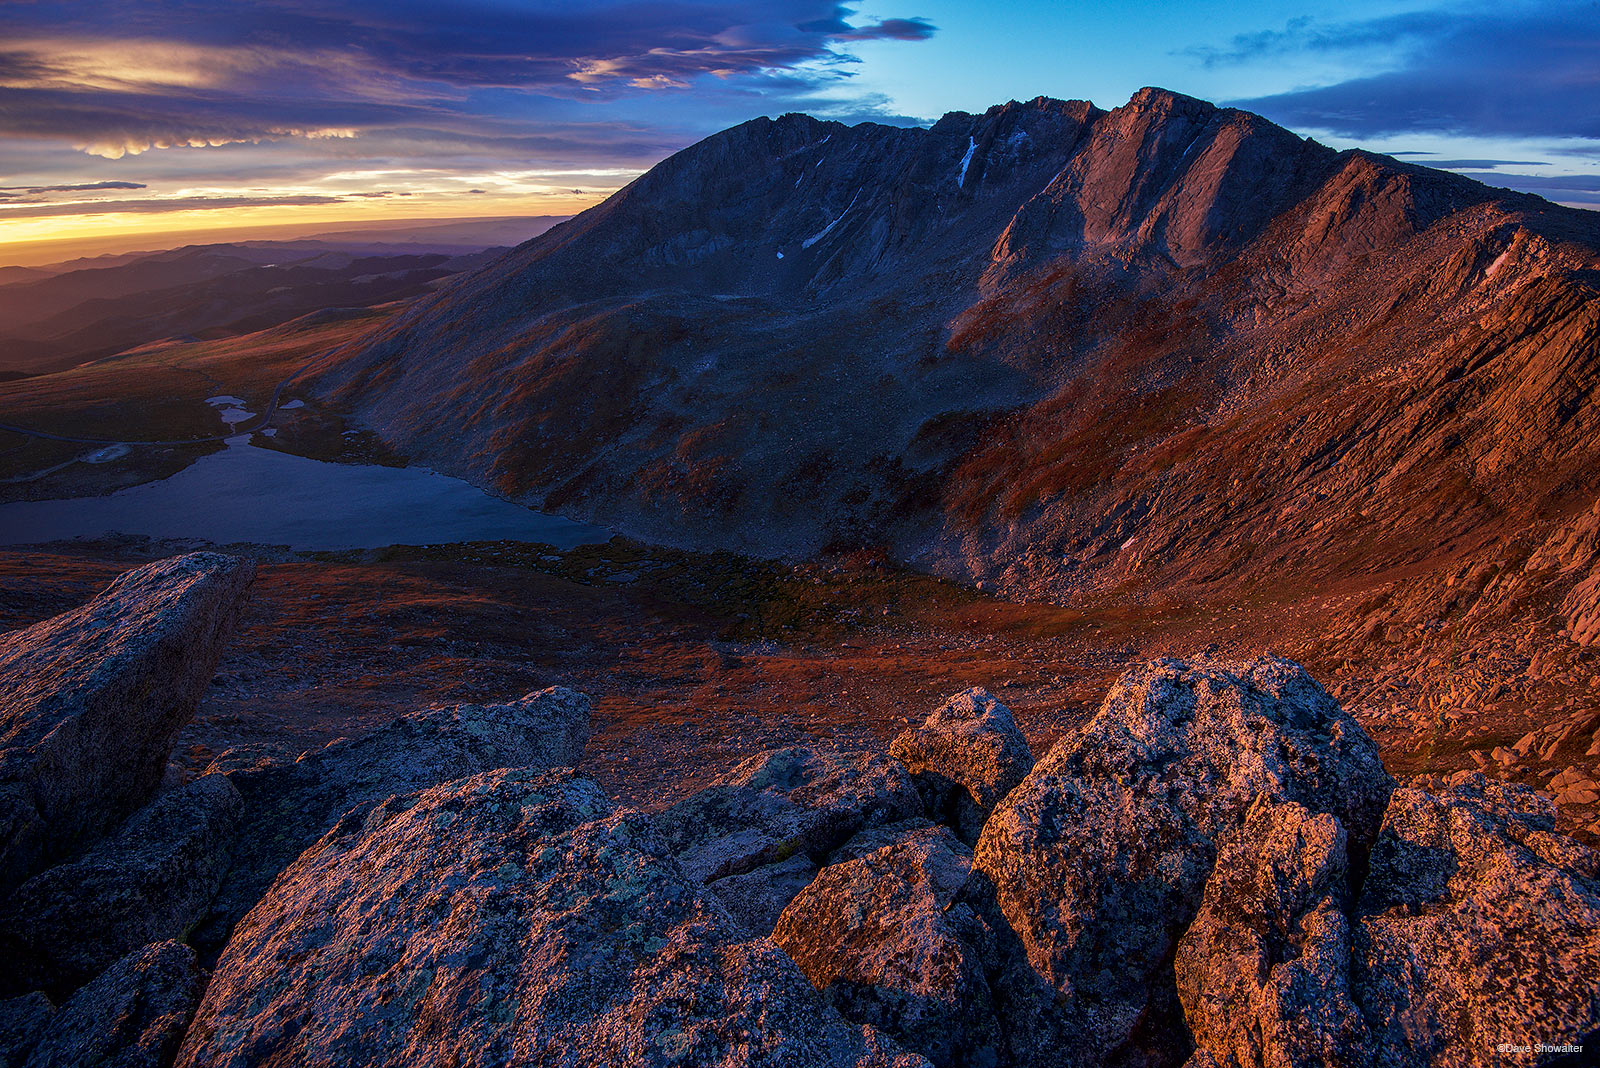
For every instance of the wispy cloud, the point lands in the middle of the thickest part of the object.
(158, 206)
(1510, 70)
(125, 77)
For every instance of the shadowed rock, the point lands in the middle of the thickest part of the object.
(1263, 971)
(287, 807)
(132, 1016)
(883, 936)
(152, 880)
(757, 898)
(92, 700)
(22, 1023)
(783, 803)
(1097, 862)
(966, 756)
(1476, 925)
(507, 919)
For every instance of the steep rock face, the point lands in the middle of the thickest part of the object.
(289, 806)
(555, 934)
(1045, 347)
(91, 701)
(784, 803)
(1476, 923)
(966, 756)
(1098, 861)
(150, 881)
(885, 938)
(1263, 971)
(132, 1016)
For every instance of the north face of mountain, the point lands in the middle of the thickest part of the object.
(1049, 348)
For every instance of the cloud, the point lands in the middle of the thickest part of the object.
(121, 77)
(1513, 70)
(1537, 182)
(158, 206)
(70, 188)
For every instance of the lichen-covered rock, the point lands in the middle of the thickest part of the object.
(150, 881)
(1477, 925)
(966, 756)
(757, 898)
(1097, 862)
(288, 807)
(92, 700)
(507, 919)
(884, 937)
(783, 802)
(23, 1020)
(1263, 971)
(132, 1016)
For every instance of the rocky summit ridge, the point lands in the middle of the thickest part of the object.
(1214, 869)
(1055, 349)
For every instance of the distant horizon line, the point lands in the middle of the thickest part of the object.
(50, 252)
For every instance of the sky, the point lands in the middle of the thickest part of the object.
(127, 122)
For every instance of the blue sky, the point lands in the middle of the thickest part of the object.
(137, 115)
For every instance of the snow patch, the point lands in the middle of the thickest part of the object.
(966, 161)
(820, 234)
(292, 405)
(780, 255)
(225, 401)
(1496, 265)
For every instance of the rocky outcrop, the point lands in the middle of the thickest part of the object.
(1098, 862)
(1263, 971)
(132, 1016)
(757, 898)
(885, 938)
(507, 918)
(782, 804)
(289, 806)
(92, 700)
(966, 756)
(1476, 926)
(23, 1021)
(152, 880)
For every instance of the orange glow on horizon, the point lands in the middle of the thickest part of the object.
(34, 242)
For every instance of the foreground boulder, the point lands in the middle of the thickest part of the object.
(132, 1016)
(966, 756)
(778, 805)
(1477, 926)
(92, 701)
(1097, 862)
(152, 880)
(288, 807)
(502, 919)
(884, 937)
(1263, 971)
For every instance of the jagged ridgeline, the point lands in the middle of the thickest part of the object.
(1050, 347)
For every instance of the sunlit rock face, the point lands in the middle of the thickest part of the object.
(966, 756)
(1093, 867)
(508, 918)
(92, 701)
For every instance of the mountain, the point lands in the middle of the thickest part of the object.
(77, 311)
(1149, 353)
